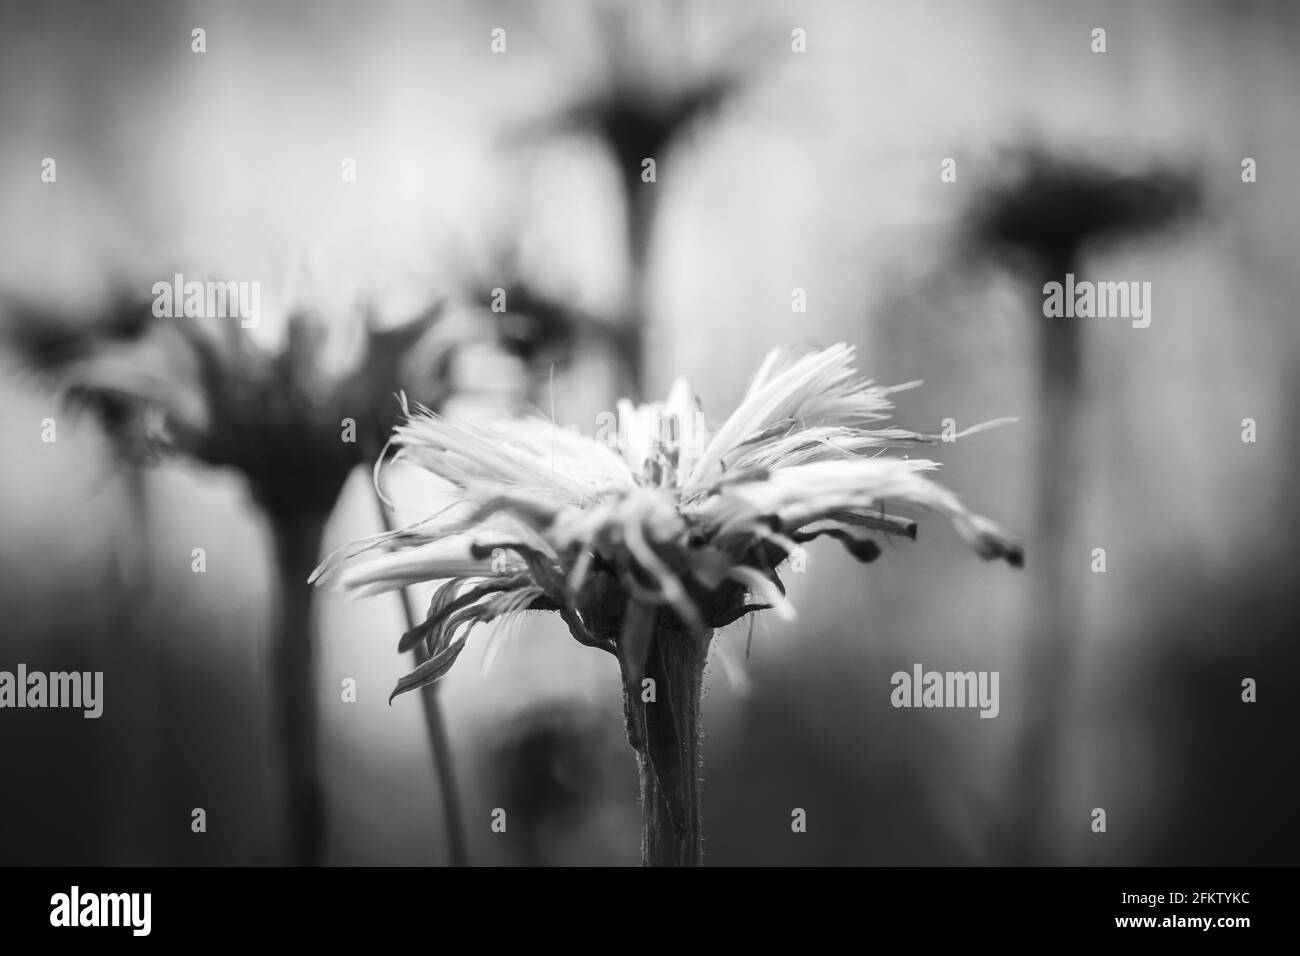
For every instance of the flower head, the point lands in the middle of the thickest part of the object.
(669, 518)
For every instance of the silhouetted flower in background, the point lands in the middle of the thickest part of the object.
(1042, 216)
(648, 91)
(202, 389)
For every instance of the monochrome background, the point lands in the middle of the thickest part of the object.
(820, 171)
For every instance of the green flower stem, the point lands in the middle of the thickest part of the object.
(665, 734)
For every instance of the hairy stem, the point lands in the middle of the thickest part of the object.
(662, 707)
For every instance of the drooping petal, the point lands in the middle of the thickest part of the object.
(809, 492)
(768, 592)
(857, 542)
(449, 648)
(448, 558)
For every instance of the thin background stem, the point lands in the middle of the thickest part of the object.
(443, 768)
(1052, 649)
(297, 538)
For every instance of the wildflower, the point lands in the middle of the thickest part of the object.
(292, 427)
(644, 95)
(646, 548)
(1043, 218)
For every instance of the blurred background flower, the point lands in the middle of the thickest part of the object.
(290, 426)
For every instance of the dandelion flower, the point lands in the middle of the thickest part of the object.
(648, 541)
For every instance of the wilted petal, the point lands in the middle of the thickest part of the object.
(449, 558)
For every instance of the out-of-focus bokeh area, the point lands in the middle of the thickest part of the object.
(816, 170)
